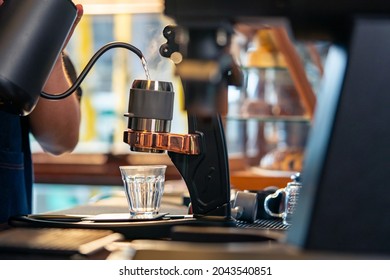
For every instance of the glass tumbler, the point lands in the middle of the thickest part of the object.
(144, 187)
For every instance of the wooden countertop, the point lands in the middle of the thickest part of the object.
(103, 169)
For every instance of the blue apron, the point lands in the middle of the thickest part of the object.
(16, 175)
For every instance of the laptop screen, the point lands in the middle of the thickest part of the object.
(344, 204)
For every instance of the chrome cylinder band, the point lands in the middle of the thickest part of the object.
(152, 85)
(151, 125)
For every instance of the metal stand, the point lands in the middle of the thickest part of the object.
(207, 174)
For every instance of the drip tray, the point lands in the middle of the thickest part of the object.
(259, 231)
(274, 224)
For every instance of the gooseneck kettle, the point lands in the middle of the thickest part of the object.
(32, 35)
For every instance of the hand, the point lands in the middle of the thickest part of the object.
(80, 12)
(58, 67)
(56, 125)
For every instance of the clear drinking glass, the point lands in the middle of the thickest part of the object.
(144, 187)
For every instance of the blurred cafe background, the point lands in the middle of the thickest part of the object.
(266, 125)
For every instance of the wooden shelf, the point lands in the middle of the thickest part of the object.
(92, 169)
(246, 177)
(102, 169)
(248, 180)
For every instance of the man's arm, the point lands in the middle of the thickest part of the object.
(55, 124)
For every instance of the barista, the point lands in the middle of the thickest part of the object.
(55, 126)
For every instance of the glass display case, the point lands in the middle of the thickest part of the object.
(270, 114)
